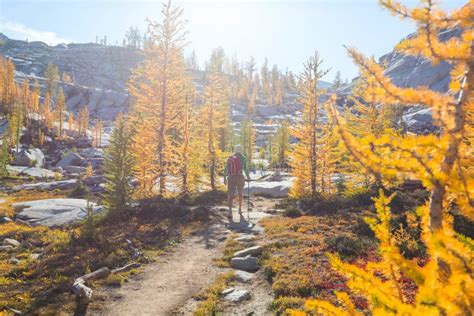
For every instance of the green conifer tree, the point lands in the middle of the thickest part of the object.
(118, 168)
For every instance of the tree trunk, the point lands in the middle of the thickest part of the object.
(455, 139)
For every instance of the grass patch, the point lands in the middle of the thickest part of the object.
(211, 296)
(295, 262)
(41, 285)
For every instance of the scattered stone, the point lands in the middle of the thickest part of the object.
(245, 238)
(238, 295)
(5, 219)
(75, 169)
(92, 152)
(22, 222)
(29, 158)
(61, 184)
(54, 212)
(71, 159)
(243, 276)
(228, 291)
(35, 256)
(247, 263)
(11, 242)
(6, 248)
(220, 209)
(245, 227)
(93, 180)
(252, 251)
(14, 261)
(30, 171)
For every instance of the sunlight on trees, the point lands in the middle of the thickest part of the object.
(440, 162)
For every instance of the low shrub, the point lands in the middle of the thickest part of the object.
(346, 246)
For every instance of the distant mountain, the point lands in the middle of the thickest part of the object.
(411, 72)
(100, 73)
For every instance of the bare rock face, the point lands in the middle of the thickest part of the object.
(33, 157)
(412, 72)
(54, 212)
(99, 73)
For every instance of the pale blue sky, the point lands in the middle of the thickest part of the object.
(285, 31)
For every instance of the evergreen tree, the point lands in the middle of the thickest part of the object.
(441, 162)
(247, 138)
(337, 80)
(213, 113)
(4, 157)
(281, 142)
(156, 88)
(51, 76)
(118, 167)
(304, 155)
(133, 37)
(83, 120)
(60, 111)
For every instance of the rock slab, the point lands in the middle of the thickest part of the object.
(54, 212)
(252, 251)
(61, 184)
(243, 276)
(71, 159)
(238, 295)
(33, 157)
(247, 263)
(34, 172)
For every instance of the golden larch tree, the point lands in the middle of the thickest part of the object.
(445, 284)
(303, 157)
(156, 87)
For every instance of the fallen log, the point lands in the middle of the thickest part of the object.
(127, 267)
(135, 252)
(79, 287)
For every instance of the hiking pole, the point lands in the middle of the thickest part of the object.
(248, 200)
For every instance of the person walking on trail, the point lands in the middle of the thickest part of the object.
(237, 165)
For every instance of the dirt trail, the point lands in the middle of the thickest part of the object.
(168, 283)
(164, 287)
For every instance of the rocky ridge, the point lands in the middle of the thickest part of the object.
(100, 73)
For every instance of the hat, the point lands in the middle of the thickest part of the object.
(238, 149)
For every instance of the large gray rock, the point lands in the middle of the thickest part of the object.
(71, 159)
(247, 263)
(75, 169)
(237, 295)
(33, 157)
(53, 212)
(93, 180)
(270, 188)
(92, 152)
(254, 251)
(11, 242)
(52, 185)
(243, 276)
(31, 172)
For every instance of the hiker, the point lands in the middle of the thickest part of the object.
(235, 168)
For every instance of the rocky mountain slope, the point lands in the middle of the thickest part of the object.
(100, 72)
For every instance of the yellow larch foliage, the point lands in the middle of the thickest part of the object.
(60, 112)
(83, 120)
(144, 147)
(156, 87)
(442, 162)
(304, 155)
(47, 113)
(213, 113)
(189, 167)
